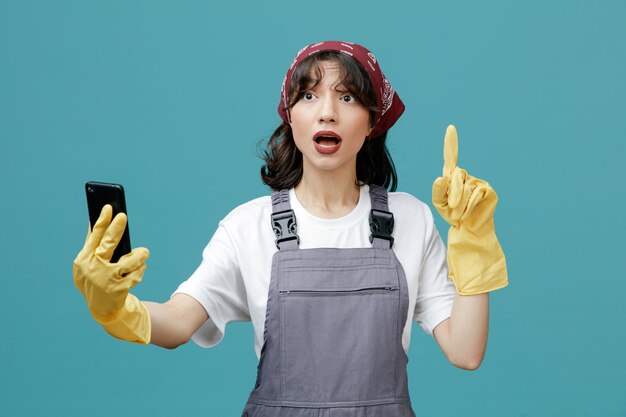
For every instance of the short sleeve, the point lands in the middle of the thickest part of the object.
(436, 292)
(218, 286)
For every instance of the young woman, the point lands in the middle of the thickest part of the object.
(331, 268)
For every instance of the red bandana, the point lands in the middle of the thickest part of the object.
(387, 100)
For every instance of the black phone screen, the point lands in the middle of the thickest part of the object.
(98, 195)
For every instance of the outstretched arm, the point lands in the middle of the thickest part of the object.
(105, 287)
(175, 321)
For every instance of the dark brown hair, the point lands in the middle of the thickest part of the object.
(283, 160)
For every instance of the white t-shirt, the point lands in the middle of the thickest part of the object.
(233, 279)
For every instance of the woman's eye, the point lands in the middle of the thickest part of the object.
(348, 98)
(307, 96)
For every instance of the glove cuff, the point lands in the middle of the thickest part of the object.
(493, 278)
(131, 323)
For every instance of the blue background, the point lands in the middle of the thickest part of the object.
(171, 99)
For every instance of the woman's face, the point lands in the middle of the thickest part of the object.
(326, 110)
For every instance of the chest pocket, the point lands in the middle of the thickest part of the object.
(338, 328)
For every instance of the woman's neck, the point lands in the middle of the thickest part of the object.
(326, 196)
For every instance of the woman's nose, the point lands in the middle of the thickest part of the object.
(328, 111)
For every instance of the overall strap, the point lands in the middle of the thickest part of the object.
(284, 221)
(381, 219)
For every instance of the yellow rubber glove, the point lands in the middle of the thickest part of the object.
(476, 263)
(105, 285)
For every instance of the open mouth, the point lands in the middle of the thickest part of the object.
(326, 140)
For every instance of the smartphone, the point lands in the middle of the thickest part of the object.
(99, 194)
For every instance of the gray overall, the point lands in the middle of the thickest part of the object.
(333, 325)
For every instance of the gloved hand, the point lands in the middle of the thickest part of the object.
(476, 263)
(105, 285)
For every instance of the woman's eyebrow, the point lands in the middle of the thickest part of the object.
(341, 88)
(309, 84)
(312, 83)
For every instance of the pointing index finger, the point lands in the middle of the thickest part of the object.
(450, 151)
